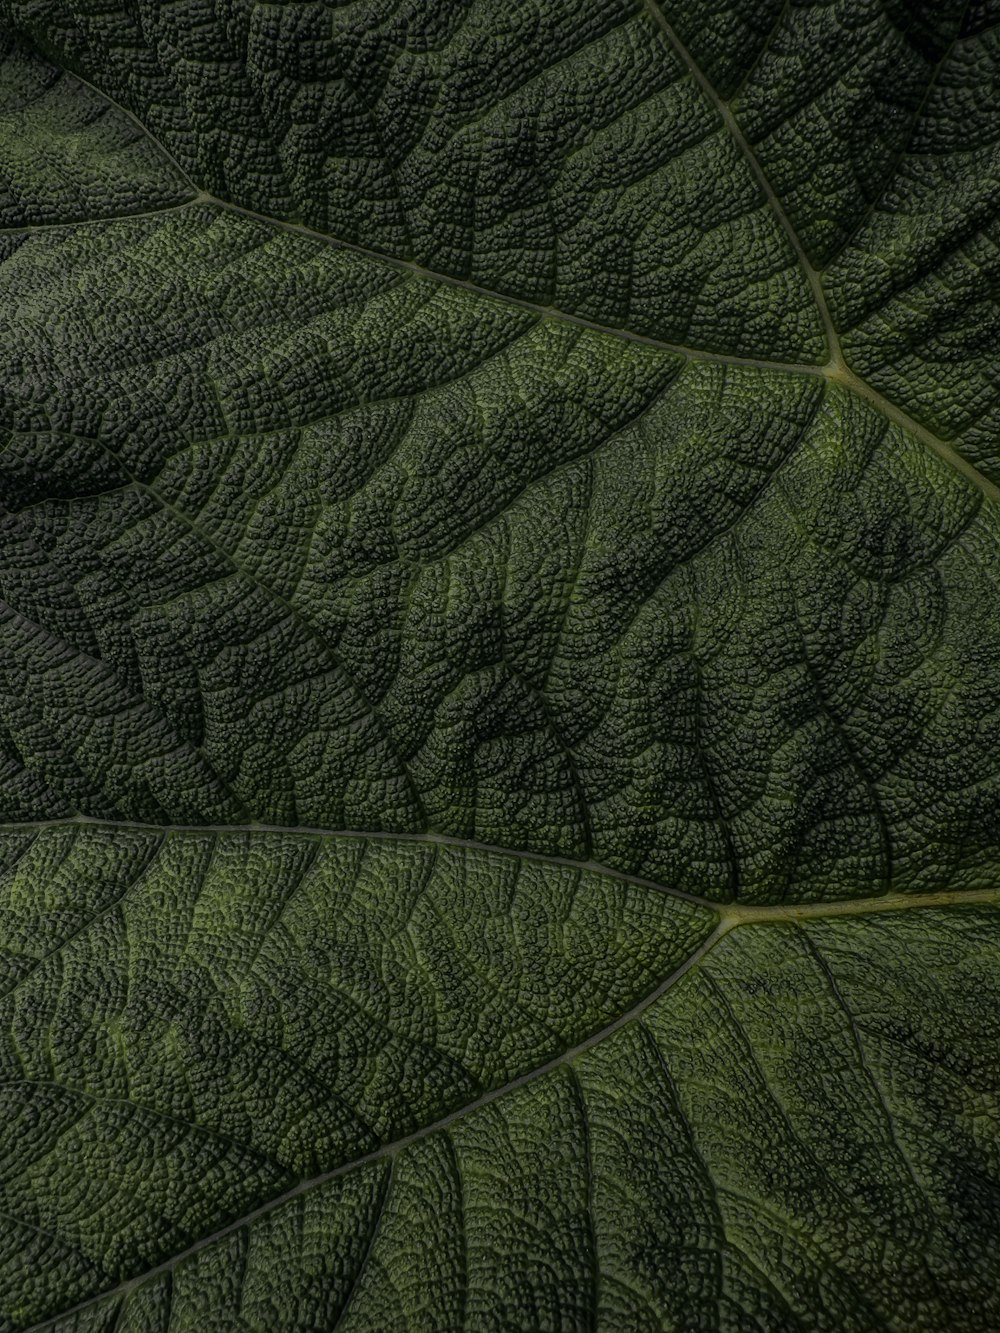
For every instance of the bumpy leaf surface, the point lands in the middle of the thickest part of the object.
(499, 742)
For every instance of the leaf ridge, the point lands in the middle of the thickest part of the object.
(590, 1220)
(670, 1086)
(88, 924)
(233, 562)
(752, 1063)
(242, 1149)
(890, 169)
(851, 750)
(378, 1213)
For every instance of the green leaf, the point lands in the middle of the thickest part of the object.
(499, 754)
(696, 1169)
(196, 1021)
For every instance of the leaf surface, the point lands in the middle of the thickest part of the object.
(498, 738)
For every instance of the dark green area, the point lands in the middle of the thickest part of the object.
(499, 779)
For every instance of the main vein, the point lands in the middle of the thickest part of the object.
(836, 368)
(734, 914)
(397, 1145)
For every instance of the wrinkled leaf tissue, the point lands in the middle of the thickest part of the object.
(499, 746)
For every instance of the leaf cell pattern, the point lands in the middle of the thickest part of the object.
(498, 734)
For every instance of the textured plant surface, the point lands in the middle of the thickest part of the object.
(500, 661)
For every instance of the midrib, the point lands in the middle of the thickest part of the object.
(835, 370)
(729, 914)
(724, 111)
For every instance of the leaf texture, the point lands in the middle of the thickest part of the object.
(638, 1186)
(498, 737)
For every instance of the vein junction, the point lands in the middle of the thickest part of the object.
(835, 370)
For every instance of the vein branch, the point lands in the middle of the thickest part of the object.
(536, 308)
(391, 1149)
(431, 839)
(733, 913)
(724, 110)
(835, 369)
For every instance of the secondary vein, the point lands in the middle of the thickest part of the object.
(398, 1145)
(723, 109)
